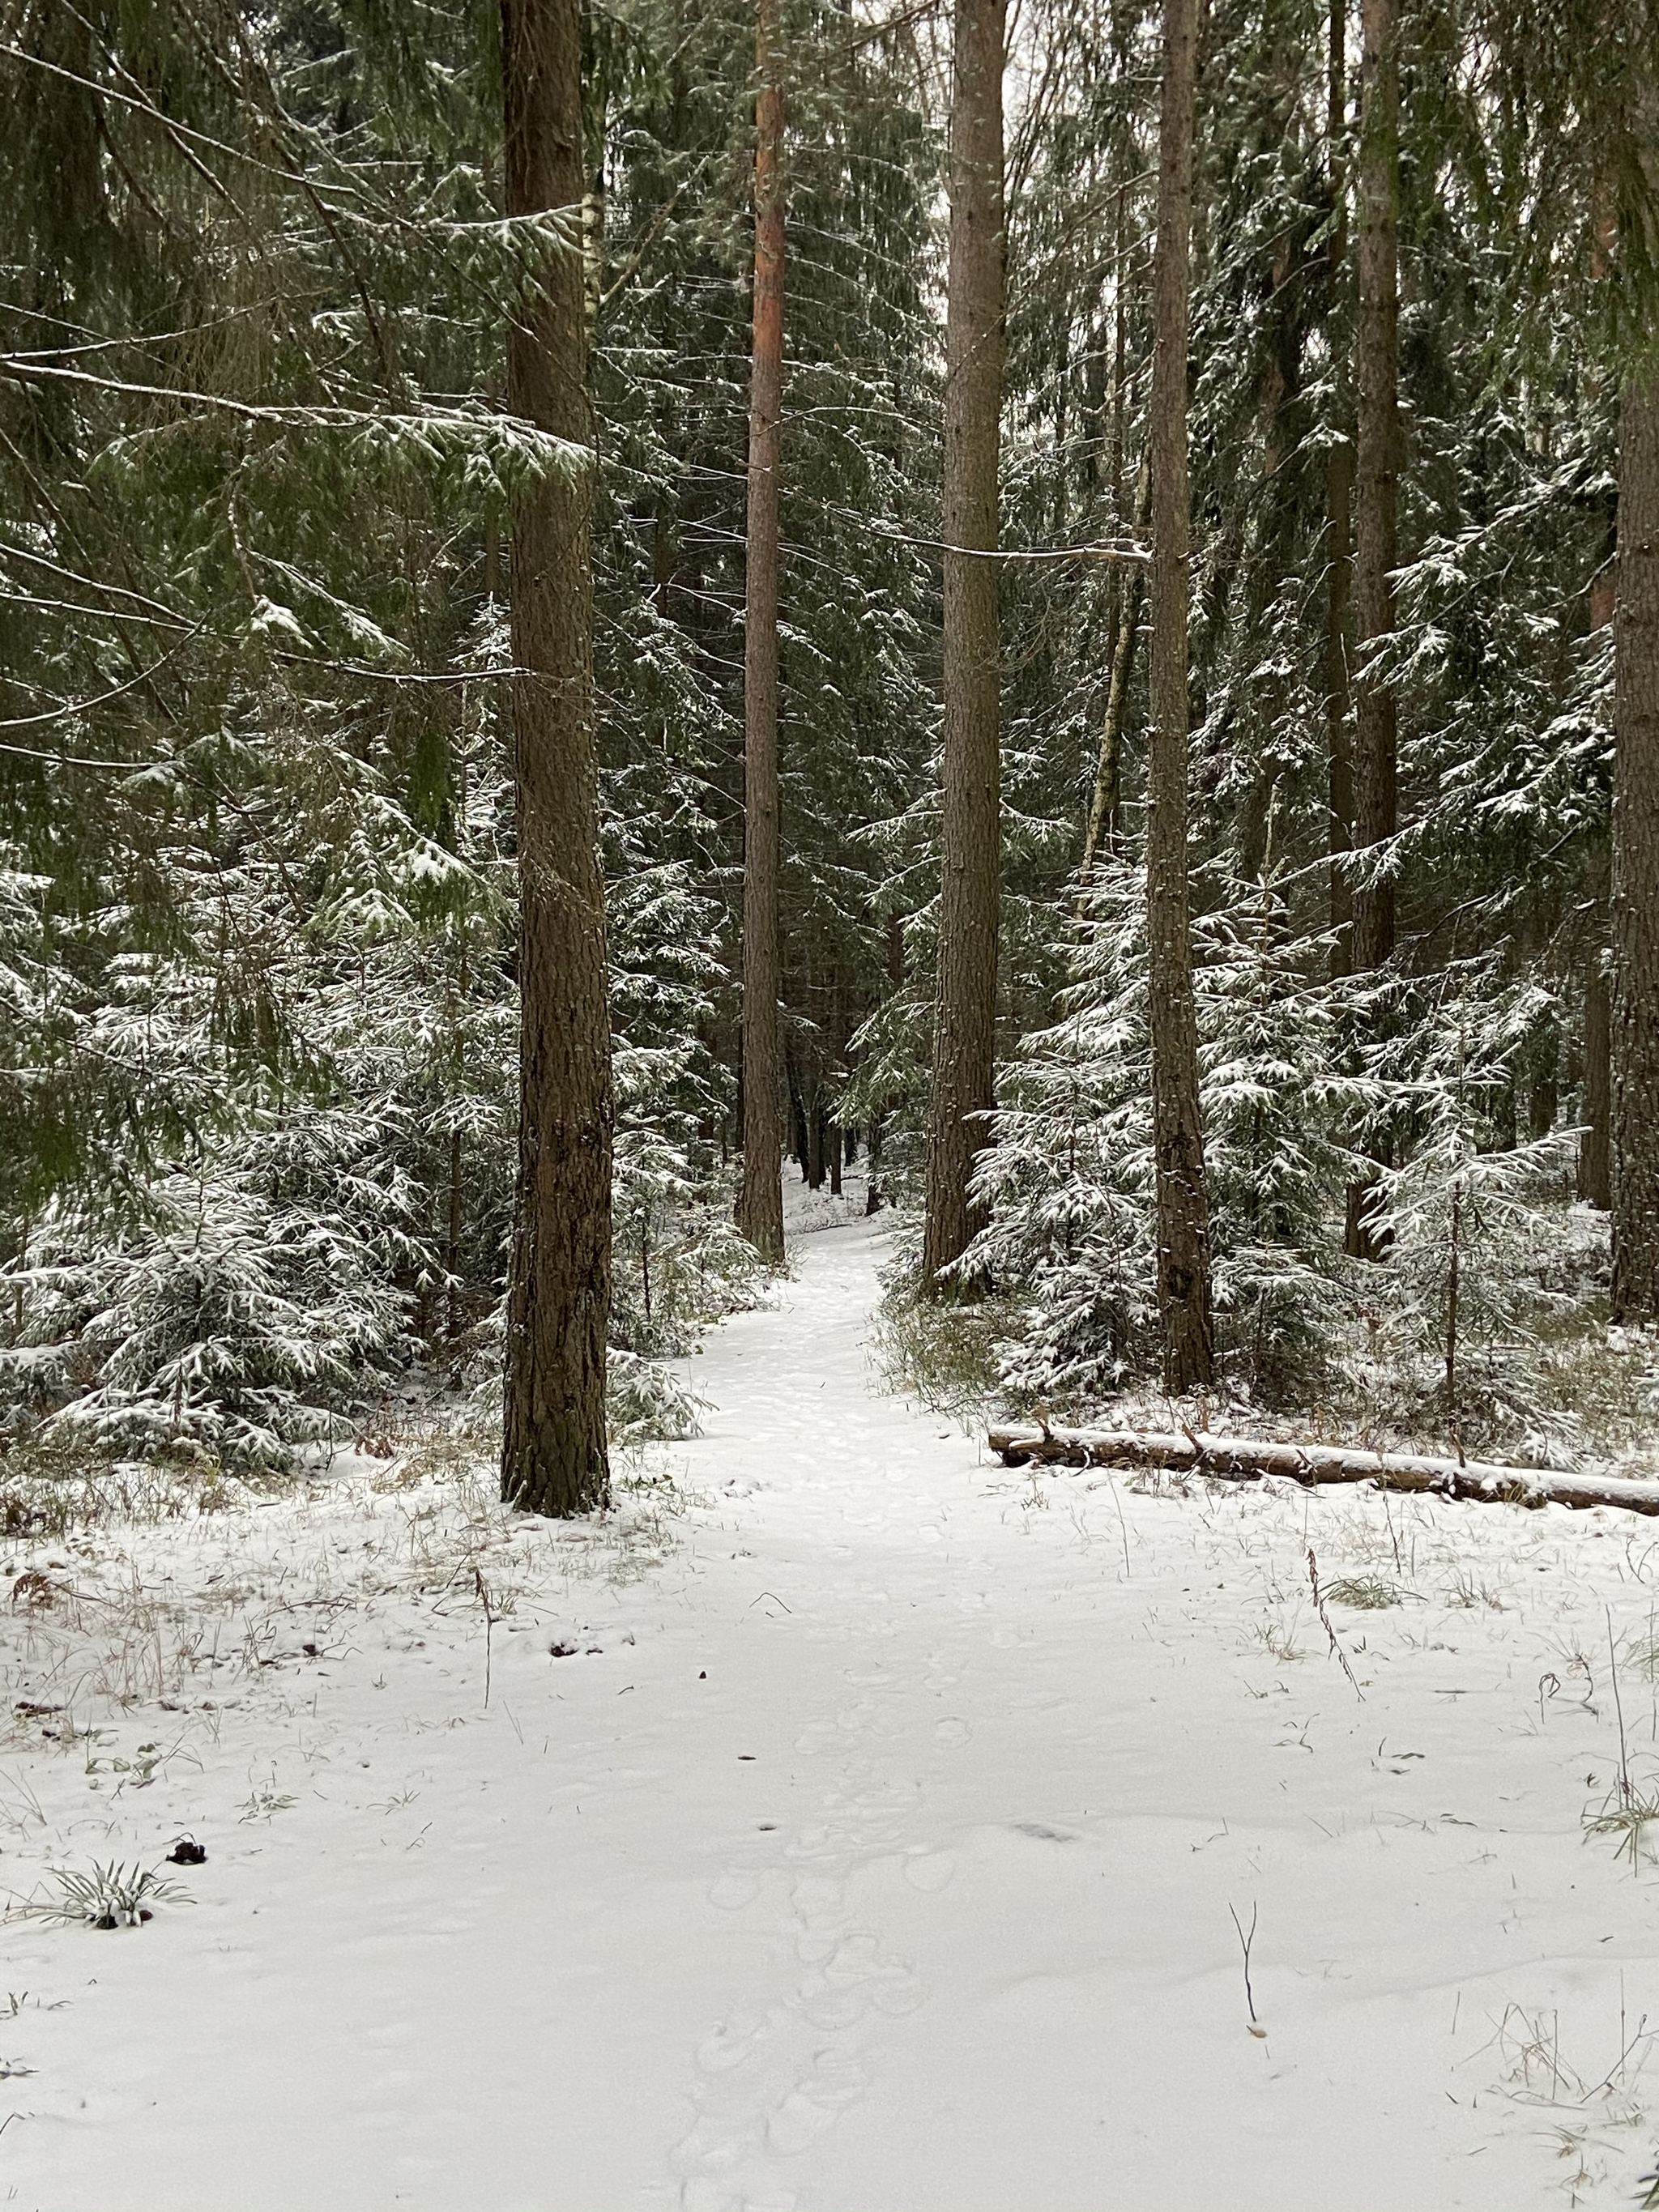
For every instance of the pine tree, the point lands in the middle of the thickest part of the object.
(1184, 1252)
(759, 1200)
(1377, 471)
(760, 1204)
(965, 1025)
(553, 1453)
(1636, 858)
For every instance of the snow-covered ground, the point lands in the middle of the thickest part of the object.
(874, 1845)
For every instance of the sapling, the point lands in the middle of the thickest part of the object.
(1467, 1223)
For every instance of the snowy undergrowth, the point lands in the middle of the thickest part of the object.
(1566, 1390)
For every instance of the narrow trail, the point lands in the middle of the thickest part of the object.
(874, 1850)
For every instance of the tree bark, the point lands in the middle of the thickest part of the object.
(1595, 1146)
(1377, 465)
(964, 1038)
(1634, 1029)
(1339, 502)
(760, 1201)
(553, 1453)
(1183, 1237)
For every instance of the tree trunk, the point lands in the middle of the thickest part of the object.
(553, 1452)
(1377, 462)
(1183, 1235)
(1376, 470)
(1108, 770)
(1634, 1029)
(802, 1145)
(1339, 502)
(1595, 1146)
(1251, 1459)
(964, 1039)
(760, 1201)
(452, 1327)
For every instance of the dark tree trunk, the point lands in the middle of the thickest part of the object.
(1376, 470)
(760, 1201)
(1109, 769)
(964, 1040)
(1544, 1087)
(1377, 462)
(553, 1453)
(1595, 1111)
(1183, 1237)
(1635, 1028)
(453, 1326)
(1339, 503)
(801, 1145)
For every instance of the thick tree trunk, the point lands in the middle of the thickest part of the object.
(1595, 1146)
(1183, 1237)
(964, 1040)
(553, 1453)
(1250, 1458)
(760, 1201)
(1635, 1030)
(1377, 462)
(1338, 504)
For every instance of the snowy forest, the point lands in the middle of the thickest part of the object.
(770, 769)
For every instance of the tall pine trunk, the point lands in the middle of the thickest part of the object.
(1377, 462)
(965, 1037)
(1377, 472)
(1339, 503)
(1183, 1233)
(1635, 1035)
(553, 1453)
(760, 1201)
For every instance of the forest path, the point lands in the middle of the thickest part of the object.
(873, 1848)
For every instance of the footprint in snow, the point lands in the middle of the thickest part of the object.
(929, 1871)
(730, 2043)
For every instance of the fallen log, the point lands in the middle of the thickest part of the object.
(1249, 1458)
